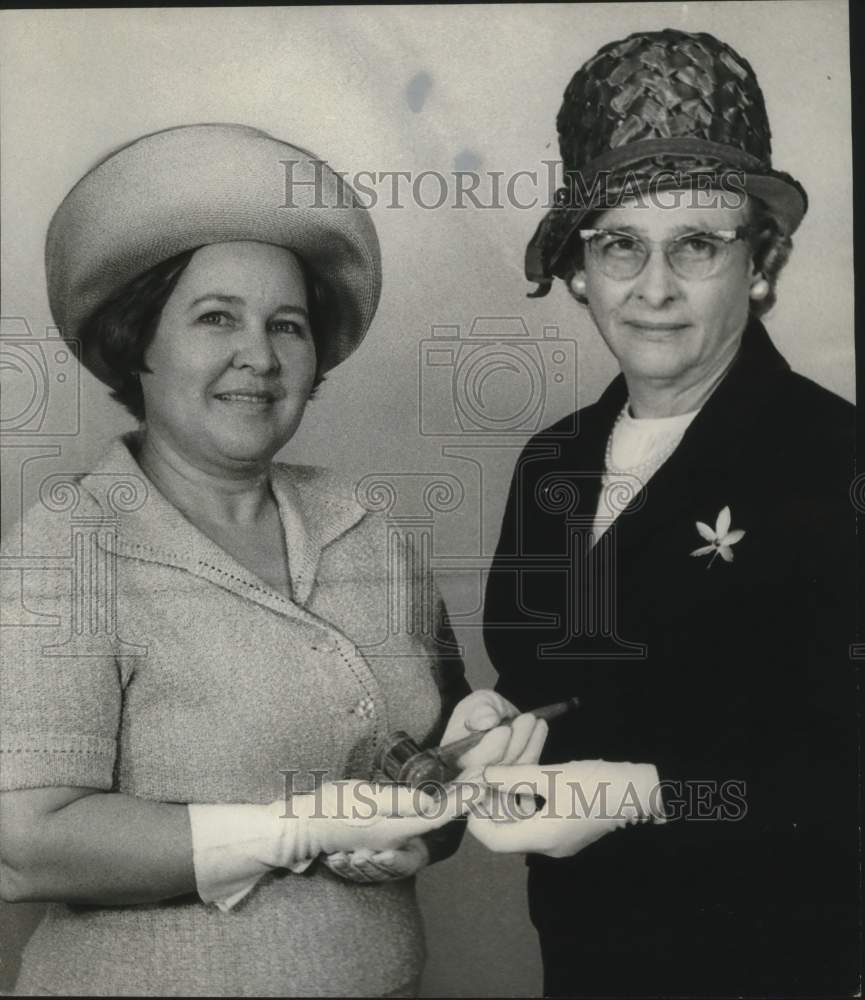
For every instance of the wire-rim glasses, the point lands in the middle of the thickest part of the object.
(692, 256)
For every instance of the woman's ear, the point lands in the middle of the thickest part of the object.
(577, 286)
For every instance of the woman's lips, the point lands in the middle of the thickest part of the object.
(654, 331)
(247, 397)
(655, 326)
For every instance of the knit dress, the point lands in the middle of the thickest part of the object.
(171, 673)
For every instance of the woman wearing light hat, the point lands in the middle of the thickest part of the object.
(693, 545)
(168, 761)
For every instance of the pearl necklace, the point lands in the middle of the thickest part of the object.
(651, 464)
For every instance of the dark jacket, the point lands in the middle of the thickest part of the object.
(734, 679)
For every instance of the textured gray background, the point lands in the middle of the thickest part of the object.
(407, 89)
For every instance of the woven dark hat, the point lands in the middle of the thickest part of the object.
(664, 106)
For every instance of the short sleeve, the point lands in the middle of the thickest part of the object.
(60, 690)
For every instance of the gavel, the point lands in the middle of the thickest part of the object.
(402, 760)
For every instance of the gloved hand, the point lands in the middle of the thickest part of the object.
(521, 742)
(585, 800)
(381, 866)
(353, 815)
(234, 845)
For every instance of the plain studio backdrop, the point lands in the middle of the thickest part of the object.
(381, 90)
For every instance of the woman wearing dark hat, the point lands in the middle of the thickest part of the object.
(172, 744)
(692, 543)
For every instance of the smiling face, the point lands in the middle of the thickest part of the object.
(232, 360)
(677, 334)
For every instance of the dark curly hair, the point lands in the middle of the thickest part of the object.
(124, 325)
(770, 251)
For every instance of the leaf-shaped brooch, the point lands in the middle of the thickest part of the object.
(721, 539)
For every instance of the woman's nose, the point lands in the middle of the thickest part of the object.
(656, 284)
(255, 349)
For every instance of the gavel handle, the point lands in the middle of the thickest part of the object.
(455, 750)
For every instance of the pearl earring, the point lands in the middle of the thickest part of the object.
(760, 289)
(578, 285)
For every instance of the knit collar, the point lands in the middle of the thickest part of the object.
(315, 507)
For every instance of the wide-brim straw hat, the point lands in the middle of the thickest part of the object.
(194, 185)
(656, 105)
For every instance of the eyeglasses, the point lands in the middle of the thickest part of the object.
(693, 256)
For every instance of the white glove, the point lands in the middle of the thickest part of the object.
(477, 712)
(382, 866)
(521, 742)
(234, 845)
(585, 800)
